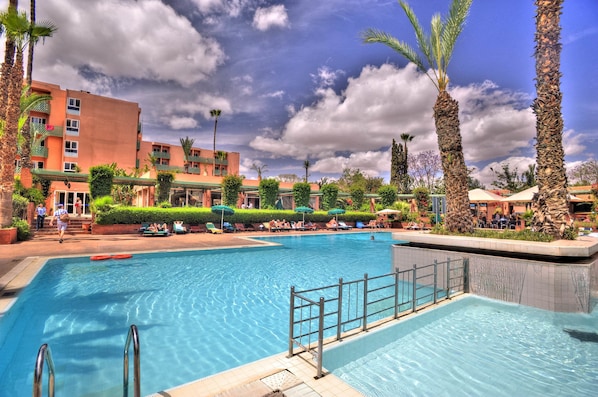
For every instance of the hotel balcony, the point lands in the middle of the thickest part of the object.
(41, 129)
(42, 107)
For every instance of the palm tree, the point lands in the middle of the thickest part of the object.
(437, 50)
(405, 137)
(187, 145)
(259, 168)
(306, 165)
(215, 113)
(551, 213)
(18, 29)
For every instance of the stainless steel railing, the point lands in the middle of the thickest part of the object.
(43, 355)
(336, 311)
(133, 336)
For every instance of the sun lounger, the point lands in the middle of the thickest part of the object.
(228, 228)
(343, 226)
(197, 229)
(178, 228)
(213, 229)
(359, 225)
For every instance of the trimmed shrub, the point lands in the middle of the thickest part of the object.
(301, 192)
(100, 180)
(231, 186)
(268, 189)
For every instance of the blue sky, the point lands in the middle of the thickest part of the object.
(295, 82)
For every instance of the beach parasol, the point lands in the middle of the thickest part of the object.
(336, 212)
(483, 196)
(304, 210)
(222, 210)
(388, 211)
(527, 195)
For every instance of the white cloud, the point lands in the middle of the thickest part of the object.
(326, 77)
(266, 18)
(382, 103)
(179, 123)
(139, 40)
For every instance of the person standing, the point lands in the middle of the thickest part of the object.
(41, 215)
(78, 207)
(62, 221)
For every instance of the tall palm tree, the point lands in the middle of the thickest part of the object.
(26, 130)
(259, 168)
(215, 113)
(551, 213)
(17, 28)
(438, 50)
(306, 165)
(405, 137)
(187, 145)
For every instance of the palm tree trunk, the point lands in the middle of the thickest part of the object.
(551, 209)
(446, 116)
(26, 130)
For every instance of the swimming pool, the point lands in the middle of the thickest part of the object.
(198, 313)
(474, 347)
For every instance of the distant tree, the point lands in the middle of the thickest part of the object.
(306, 165)
(260, 169)
(528, 177)
(301, 193)
(426, 169)
(231, 186)
(472, 182)
(187, 145)
(585, 173)
(215, 113)
(372, 184)
(357, 197)
(329, 196)
(268, 189)
(388, 195)
(437, 49)
(292, 178)
(404, 181)
(507, 179)
(396, 152)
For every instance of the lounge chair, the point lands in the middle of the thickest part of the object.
(240, 227)
(359, 225)
(343, 226)
(178, 228)
(197, 229)
(156, 230)
(144, 226)
(213, 229)
(228, 228)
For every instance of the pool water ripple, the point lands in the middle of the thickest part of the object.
(198, 313)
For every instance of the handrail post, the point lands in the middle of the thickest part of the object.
(320, 338)
(396, 293)
(448, 278)
(134, 336)
(43, 354)
(414, 297)
(435, 281)
(291, 322)
(339, 313)
(365, 302)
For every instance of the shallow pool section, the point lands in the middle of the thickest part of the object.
(198, 313)
(474, 347)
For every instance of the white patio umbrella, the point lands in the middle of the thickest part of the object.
(527, 195)
(483, 196)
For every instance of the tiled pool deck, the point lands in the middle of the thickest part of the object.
(294, 376)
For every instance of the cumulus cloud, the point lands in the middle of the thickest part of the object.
(326, 77)
(382, 103)
(139, 40)
(269, 17)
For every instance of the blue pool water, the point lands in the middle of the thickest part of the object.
(473, 347)
(198, 313)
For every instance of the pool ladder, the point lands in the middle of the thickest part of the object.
(44, 355)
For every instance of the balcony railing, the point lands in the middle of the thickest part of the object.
(39, 151)
(162, 167)
(41, 129)
(161, 155)
(42, 107)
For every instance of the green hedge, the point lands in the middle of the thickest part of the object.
(196, 216)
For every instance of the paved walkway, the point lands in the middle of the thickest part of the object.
(12, 254)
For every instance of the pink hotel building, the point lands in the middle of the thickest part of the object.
(76, 130)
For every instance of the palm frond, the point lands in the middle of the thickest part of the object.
(453, 26)
(378, 36)
(423, 41)
(437, 51)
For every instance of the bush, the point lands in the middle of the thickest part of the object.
(100, 180)
(19, 206)
(23, 231)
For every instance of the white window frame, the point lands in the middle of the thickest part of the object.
(72, 127)
(69, 166)
(71, 148)
(73, 105)
(38, 120)
(38, 165)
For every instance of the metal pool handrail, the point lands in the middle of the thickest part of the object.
(351, 307)
(43, 354)
(133, 335)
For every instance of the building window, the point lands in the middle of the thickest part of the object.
(38, 120)
(71, 148)
(72, 127)
(73, 105)
(70, 167)
(38, 165)
(165, 162)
